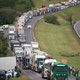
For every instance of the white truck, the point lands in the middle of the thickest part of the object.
(7, 63)
(21, 21)
(46, 66)
(19, 53)
(35, 46)
(37, 61)
(12, 33)
(14, 43)
(27, 49)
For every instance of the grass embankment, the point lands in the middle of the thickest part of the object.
(56, 39)
(39, 3)
(20, 78)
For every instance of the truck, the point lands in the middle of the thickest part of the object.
(2, 75)
(13, 44)
(35, 46)
(11, 34)
(46, 66)
(20, 31)
(22, 40)
(7, 63)
(37, 61)
(21, 21)
(19, 53)
(26, 62)
(27, 49)
(58, 71)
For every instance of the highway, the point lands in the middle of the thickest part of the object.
(31, 74)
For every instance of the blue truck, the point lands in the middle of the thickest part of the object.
(26, 62)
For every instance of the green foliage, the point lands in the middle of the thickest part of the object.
(50, 18)
(9, 7)
(3, 46)
(24, 5)
(7, 3)
(67, 16)
(7, 15)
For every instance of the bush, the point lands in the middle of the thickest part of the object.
(50, 18)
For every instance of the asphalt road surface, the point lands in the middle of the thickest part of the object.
(77, 28)
(28, 32)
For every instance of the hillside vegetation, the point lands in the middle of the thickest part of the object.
(39, 3)
(60, 39)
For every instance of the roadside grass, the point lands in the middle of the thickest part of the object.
(56, 39)
(39, 3)
(23, 77)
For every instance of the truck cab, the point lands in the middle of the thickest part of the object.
(26, 62)
(19, 53)
(46, 66)
(2, 75)
(58, 71)
(37, 61)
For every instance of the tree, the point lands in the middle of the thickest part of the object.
(7, 15)
(7, 3)
(32, 3)
(3, 46)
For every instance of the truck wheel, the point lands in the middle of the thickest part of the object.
(42, 76)
(48, 78)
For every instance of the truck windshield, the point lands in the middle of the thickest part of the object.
(60, 68)
(46, 66)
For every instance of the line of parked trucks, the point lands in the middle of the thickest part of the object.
(30, 54)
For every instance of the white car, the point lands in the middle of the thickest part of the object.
(29, 26)
(5, 26)
(10, 73)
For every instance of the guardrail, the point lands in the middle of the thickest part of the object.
(75, 25)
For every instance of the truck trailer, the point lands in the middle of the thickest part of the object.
(37, 61)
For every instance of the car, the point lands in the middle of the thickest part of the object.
(5, 26)
(10, 73)
(1, 31)
(29, 26)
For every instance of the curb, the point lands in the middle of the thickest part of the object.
(33, 28)
(75, 28)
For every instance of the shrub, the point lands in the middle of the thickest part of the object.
(50, 18)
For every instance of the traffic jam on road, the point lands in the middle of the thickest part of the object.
(29, 53)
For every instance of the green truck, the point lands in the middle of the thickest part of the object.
(58, 71)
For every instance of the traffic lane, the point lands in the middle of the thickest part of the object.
(72, 78)
(37, 76)
(28, 32)
(33, 21)
(28, 36)
(33, 75)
